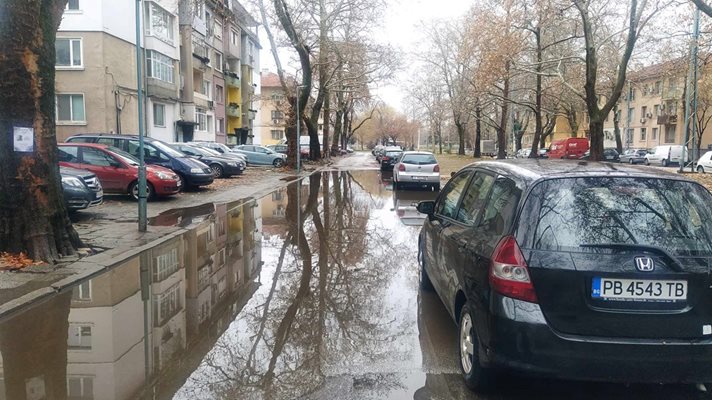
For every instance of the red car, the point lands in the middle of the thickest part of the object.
(117, 170)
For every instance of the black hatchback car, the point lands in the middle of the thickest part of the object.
(580, 270)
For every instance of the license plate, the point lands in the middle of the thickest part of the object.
(639, 290)
(418, 178)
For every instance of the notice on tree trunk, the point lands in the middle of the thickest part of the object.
(24, 140)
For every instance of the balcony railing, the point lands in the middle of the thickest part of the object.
(233, 110)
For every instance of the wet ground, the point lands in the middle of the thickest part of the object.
(308, 293)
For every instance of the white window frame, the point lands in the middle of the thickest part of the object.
(148, 26)
(210, 122)
(234, 37)
(71, 111)
(207, 88)
(75, 330)
(218, 30)
(73, 10)
(83, 291)
(218, 61)
(71, 54)
(155, 121)
(219, 125)
(160, 66)
(83, 387)
(200, 114)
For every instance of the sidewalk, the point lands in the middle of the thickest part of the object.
(111, 230)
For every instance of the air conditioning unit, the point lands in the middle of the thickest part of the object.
(275, 122)
(211, 104)
(649, 115)
(662, 106)
(643, 120)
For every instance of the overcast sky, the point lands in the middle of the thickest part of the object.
(400, 29)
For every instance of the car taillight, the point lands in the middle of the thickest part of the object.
(509, 274)
(436, 168)
(401, 167)
(385, 158)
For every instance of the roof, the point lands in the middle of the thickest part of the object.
(673, 67)
(270, 79)
(531, 170)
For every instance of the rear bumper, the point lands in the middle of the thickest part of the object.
(429, 179)
(522, 341)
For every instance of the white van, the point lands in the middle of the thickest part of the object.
(666, 155)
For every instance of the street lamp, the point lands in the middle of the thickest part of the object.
(142, 223)
(299, 133)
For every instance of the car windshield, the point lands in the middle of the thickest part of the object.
(171, 152)
(203, 152)
(419, 159)
(666, 213)
(126, 157)
(393, 153)
(207, 151)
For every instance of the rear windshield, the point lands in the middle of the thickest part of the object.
(419, 159)
(394, 153)
(170, 151)
(567, 213)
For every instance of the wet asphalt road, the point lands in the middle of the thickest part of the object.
(308, 293)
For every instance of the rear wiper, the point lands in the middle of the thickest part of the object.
(675, 265)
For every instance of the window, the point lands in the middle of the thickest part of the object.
(656, 110)
(82, 292)
(149, 151)
(209, 122)
(96, 157)
(658, 87)
(218, 30)
(672, 84)
(159, 66)
(218, 61)
(167, 304)
(68, 53)
(447, 205)
(276, 114)
(277, 134)
(631, 114)
(159, 114)
(203, 277)
(654, 134)
(72, 5)
(631, 93)
(629, 135)
(670, 134)
(205, 88)
(202, 119)
(643, 134)
(219, 94)
(166, 264)
(474, 199)
(68, 154)
(80, 387)
(79, 337)
(159, 22)
(501, 207)
(220, 125)
(234, 37)
(70, 108)
(644, 112)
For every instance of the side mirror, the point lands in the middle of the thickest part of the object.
(426, 207)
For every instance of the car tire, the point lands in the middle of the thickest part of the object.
(396, 185)
(647, 162)
(631, 161)
(150, 192)
(424, 281)
(217, 170)
(278, 162)
(701, 170)
(664, 162)
(476, 377)
(436, 187)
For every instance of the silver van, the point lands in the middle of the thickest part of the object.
(666, 155)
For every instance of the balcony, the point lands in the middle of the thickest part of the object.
(231, 79)
(665, 119)
(233, 110)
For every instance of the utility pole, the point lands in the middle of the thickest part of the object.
(142, 222)
(629, 116)
(690, 115)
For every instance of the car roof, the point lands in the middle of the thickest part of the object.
(417, 152)
(113, 135)
(531, 170)
(82, 144)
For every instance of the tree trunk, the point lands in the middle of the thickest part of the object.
(617, 130)
(338, 128)
(327, 117)
(461, 138)
(478, 131)
(502, 128)
(33, 218)
(596, 132)
(537, 111)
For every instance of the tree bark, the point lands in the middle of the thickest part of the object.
(537, 110)
(617, 130)
(461, 138)
(478, 131)
(502, 128)
(327, 125)
(33, 217)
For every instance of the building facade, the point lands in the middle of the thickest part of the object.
(271, 124)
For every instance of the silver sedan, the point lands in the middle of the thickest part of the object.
(418, 169)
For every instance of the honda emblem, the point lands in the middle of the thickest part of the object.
(644, 264)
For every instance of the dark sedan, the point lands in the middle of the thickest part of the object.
(222, 167)
(576, 271)
(610, 155)
(81, 188)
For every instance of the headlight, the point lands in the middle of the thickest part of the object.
(232, 164)
(196, 170)
(163, 176)
(72, 181)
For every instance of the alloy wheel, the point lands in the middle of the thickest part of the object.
(466, 343)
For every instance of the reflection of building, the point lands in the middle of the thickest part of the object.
(105, 357)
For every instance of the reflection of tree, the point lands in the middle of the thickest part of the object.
(323, 306)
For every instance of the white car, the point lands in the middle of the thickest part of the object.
(416, 168)
(704, 164)
(666, 155)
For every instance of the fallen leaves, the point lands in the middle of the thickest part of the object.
(12, 262)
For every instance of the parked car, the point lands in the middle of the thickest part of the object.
(633, 156)
(221, 167)
(390, 157)
(223, 149)
(523, 153)
(543, 153)
(193, 173)
(609, 155)
(241, 158)
(278, 148)
(416, 168)
(376, 149)
(259, 155)
(666, 155)
(571, 148)
(704, 164)
(573, 271)
(117, 170)
(81, 189)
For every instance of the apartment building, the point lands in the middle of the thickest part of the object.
(562, 130)
(272, 105)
